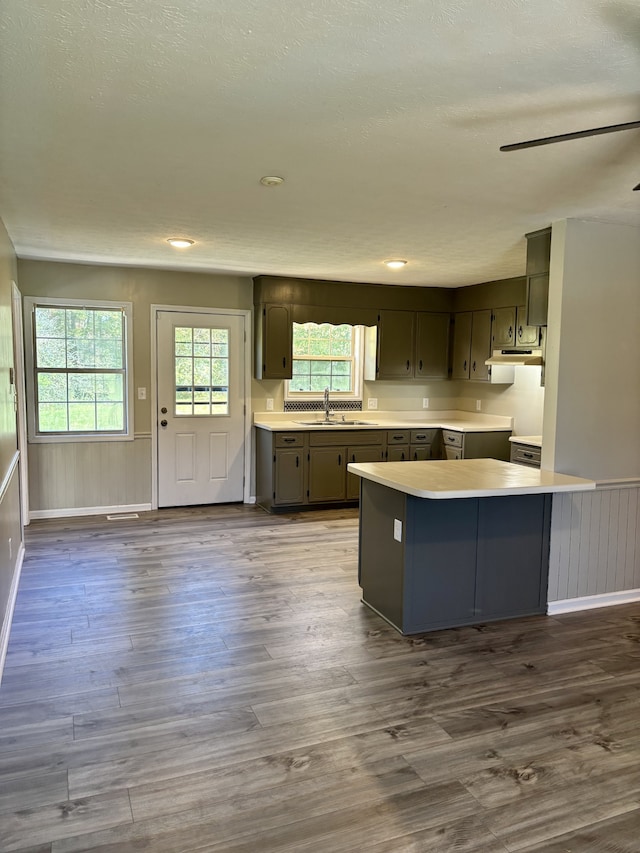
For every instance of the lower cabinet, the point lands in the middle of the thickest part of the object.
(366, 453)
(454, 562)
(476, 445)
(327, 469)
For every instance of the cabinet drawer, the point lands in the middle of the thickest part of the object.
(451, 438)
(290, 439)
(525, 454)
(423, 436)
(398, 436)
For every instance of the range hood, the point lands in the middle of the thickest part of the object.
(515, 357)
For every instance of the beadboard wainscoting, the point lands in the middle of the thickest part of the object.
(88, 478)
(594, 558)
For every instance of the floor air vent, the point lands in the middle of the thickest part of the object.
(123, 516)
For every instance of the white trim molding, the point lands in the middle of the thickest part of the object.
(72, 512)
(7, 477)
(5, 628)
(590, 602)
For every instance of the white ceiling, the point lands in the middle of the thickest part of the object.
(124, 122)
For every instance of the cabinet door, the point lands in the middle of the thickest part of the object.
(462, 345)
(480, 345)
(432, 345)
(504, 327)
(399, 453)
(289, 477)
(526, 335)
(537, 299)
(420, 452)
(274, 342)
(396, 337)
(327, 481)
(374, 453)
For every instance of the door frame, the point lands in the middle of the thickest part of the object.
(203, 312)
(19, 379)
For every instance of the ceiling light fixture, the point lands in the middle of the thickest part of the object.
(180, 242)
(271, 181)
(396, 263)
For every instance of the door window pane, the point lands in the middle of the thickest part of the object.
(201, 371)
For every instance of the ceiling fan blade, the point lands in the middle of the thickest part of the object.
(577, 134)
(637, 187)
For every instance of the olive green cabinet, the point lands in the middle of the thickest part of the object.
(327, 470)
(538, 263)
(526, 334)
(365, 453)
(273, 337)
(280, 468)
(476, 445)
(471, 345)
(432, 345)
(511, 330)
(396, 345)
(412, 345)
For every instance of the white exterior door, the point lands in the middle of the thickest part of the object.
(201, 402)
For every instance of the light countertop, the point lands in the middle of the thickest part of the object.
(531, 440)
(455, 420)
(467, 478)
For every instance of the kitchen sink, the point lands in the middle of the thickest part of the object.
(331, 422)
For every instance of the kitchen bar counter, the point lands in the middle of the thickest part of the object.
(467, 478)
(450, 543)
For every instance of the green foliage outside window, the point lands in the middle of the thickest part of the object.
(323, 357)
(80, 370)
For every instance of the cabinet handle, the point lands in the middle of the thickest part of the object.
(510, 333)
(402, 459)
(528, 455)
(339, 459)
(284, 361)
(288, 439)
(450, 438)
(353, 457)
(408, 365)
(420, 437)
(520, 331)
(398, 437)
(464, 366)
(297, 461)
(420, 365)
(474, 367)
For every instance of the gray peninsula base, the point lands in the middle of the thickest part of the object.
(430, 564)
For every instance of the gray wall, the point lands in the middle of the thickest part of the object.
(120, 472)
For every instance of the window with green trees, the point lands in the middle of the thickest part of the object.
(80, 369)
(324, 356)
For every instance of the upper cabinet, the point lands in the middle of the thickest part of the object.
(273, 341)
(471, 345)
(396, 345)
(432, 345)
(538, 261)
(412, 345)
(510, 329)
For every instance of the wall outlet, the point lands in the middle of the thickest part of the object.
(142, 393)
(269, 404)
(478, 405)
(397, 530)
(425, 402)
(372, 403)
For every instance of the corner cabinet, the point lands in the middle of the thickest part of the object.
(412, 345)
(471, 345)
(273, 337)
(538, 263)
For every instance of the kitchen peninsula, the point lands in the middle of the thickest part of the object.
(450, 543)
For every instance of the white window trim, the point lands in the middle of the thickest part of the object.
(34, 437)
(356, 394)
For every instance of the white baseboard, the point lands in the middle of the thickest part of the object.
(5, 628)
(590, 602)
(251, 499)
(88, 510)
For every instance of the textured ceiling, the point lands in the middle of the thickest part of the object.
(124, 122)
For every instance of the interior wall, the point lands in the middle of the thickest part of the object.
(10, 522)
(58, 474)
(592, 407)
(523, 401)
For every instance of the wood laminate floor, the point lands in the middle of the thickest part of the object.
(208, 680)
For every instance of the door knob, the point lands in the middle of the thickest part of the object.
(163, 423)
(164, 410)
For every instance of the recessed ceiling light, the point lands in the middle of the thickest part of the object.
(271, 181)
(180, 242)
(396, 263)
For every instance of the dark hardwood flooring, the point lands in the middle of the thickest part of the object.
(208, 680)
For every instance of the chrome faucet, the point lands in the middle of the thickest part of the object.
(327, 413)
